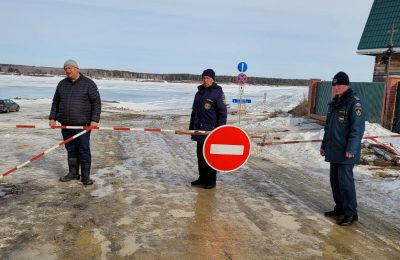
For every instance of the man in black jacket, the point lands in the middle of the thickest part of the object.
(76, 102)
(209, 112)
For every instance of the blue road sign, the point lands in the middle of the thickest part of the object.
(237, 100)
(242, 66)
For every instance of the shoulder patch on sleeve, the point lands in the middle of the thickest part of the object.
(358, 109)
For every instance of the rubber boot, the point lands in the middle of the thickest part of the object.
(199, 182)
(73, 174)
(85, 171)
(211, 181)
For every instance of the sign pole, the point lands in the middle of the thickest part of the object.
(240, 101)
(241, 80)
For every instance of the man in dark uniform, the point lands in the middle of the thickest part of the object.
(341, 146)
(76, 102)
(209, 112)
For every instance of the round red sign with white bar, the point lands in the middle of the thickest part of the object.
(227, 148)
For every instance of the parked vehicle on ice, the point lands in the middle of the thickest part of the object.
(7, 105)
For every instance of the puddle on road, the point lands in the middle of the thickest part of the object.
(43, 252)
(3, 192)
(177, 213)
(91, 245)
(124, 221)
(129, 246)
(104, 243)
(285, 221)
(6, 190)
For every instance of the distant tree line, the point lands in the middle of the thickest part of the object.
(178, 77)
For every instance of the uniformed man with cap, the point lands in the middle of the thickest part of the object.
(341, 146)
(209, 112)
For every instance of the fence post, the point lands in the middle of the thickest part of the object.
(389, 101)
(312, 93)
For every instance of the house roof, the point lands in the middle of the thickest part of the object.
(375, 38)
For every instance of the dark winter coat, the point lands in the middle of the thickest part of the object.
(209, 110)
(345, 125)
(76, 103)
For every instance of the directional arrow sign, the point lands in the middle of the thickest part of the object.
(242, 66)
(227, 148)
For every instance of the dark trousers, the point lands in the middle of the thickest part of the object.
(206, 173)
(343, 188)
(78, 148)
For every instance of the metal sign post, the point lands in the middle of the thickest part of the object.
(241, 80)
(240, 103)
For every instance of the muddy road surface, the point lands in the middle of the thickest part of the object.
(143, 207)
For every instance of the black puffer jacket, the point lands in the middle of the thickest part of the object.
(76, 103)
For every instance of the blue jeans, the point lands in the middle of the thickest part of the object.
(78, 148)
(343, 188)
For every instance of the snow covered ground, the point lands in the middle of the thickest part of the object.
(133, 172)
(165, 98)
(305, 156)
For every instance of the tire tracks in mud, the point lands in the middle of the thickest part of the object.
(141, 206)
(296, 186)
(166, 154)
(371, 230)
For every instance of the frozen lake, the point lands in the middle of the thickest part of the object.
(152, 95)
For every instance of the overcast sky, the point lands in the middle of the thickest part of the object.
(277, 38)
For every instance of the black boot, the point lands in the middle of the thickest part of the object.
(210, 184)
(73, 174)
(85, 171)
(211, 181)
(347, 220)
(199, 182)
(334, 213)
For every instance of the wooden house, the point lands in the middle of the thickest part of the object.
(382, 28)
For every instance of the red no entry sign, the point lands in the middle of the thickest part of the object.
(227, 148)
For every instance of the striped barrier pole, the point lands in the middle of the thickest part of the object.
(114, 128)
(43, 153)
(120, 128)
(182, 132)
(288, 142)
(319, 141)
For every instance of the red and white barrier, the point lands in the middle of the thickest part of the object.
(319, 141)
(121, 128)
(87, 129)
(288, 142)
(42, 154)
(113, 128)
(181, 132)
